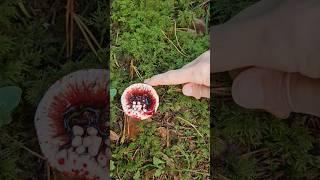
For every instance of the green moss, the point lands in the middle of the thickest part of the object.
(32, 56)
(137, 28)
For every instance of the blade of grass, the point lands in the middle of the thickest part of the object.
(173, 44)
(194, 127)
(71, 26)
(23, 9)
(21, 145)
(86, 37)
(191, 171)
(88, 31)
(67, 28)
(133, 68)
(123, 137)
(175, 34)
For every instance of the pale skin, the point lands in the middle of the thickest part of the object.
(194, 76)
(273, 48)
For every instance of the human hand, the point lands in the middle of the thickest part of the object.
(195, 76)
(275, 46)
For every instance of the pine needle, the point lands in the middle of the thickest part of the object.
(88, 31)
(173, 44)
(69, 28)
(133, 69)
(86, 36)
(194, 127)
(175, 34)
(123, 137)
(23, 9)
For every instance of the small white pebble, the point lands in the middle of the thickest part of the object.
(134, 102)
(94, 148)
(80, 149)
(77, 130)
(92, 131)
(144, 110)
(76, 141)
(139, 103)
(87, 141)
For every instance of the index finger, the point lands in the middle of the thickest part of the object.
(173, 77)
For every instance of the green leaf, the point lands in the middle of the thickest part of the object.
(10, 97)
(158, 172)
(113, 93)
(112, 166)
(136, 175)
(5, 117)
(157, 161)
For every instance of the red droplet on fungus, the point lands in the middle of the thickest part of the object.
(61, 161)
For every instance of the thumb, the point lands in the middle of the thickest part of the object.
(257, 88)
(277, 92)
(196, 90)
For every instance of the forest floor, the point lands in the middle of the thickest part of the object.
(148, 38)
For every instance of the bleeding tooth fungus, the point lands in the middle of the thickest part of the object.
(140, 101)
(72, 125)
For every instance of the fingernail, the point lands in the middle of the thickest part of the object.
(146, 80)
(187, 91)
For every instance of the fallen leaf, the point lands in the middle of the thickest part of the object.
(192, 145)
(199, 26)
(113, 136)
(149, 174)
(163, 132)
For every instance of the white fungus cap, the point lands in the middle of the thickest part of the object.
(50, 130)
(132, 111)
